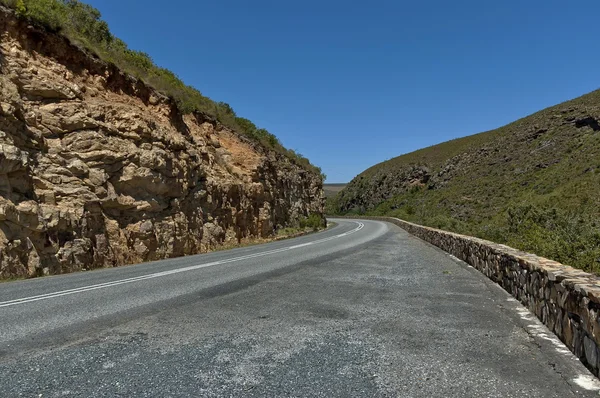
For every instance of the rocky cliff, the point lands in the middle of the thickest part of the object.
(99, 170)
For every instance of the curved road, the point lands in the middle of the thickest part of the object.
(362, 309)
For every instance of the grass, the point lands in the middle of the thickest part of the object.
(310, 224)
(13, 279)
(533, 184)
(280, 234)
(82, 25)
(289, 231)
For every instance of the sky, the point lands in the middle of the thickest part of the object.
(350, 84)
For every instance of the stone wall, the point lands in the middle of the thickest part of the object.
(565, 299)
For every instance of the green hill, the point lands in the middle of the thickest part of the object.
(330, 190)
(533, 184)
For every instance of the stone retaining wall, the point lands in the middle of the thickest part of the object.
(565, 299)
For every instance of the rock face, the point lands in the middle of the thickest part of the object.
(99, 170)
(365, 192)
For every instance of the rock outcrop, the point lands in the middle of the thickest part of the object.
(99, 170)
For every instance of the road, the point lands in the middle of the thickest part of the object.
(360, 310)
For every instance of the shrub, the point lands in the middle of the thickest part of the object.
(564, 236)
(51, 14)
(313, 221)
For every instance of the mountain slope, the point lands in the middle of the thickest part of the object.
(82, 25)
(99, 169)
(533, 184)
(331, 190)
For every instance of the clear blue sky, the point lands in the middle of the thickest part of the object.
(349, 84)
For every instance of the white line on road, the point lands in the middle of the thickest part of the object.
(537, 329)
(82, 289)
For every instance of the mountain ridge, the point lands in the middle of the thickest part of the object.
(533, 184)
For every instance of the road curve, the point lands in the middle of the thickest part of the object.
(362, 309)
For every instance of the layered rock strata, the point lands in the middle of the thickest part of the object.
(99, 170)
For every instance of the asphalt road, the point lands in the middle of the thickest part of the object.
(360, 310)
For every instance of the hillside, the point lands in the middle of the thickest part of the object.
(82, 25)
(331, 190)
(533, 184)
(99, 168)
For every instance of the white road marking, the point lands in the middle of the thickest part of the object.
(302, 245)
(537, 329)
(587, 382)
(82, 289)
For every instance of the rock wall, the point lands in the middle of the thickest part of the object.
(99, 170)
(565, 299)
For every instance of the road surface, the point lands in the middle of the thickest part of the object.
(360, 310)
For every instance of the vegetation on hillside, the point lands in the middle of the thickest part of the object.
(82, 24)
(313, 221)
(534, 185)
(331, 190)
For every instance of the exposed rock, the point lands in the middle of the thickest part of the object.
(587, 122)
(365, 193)
(97, 169)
